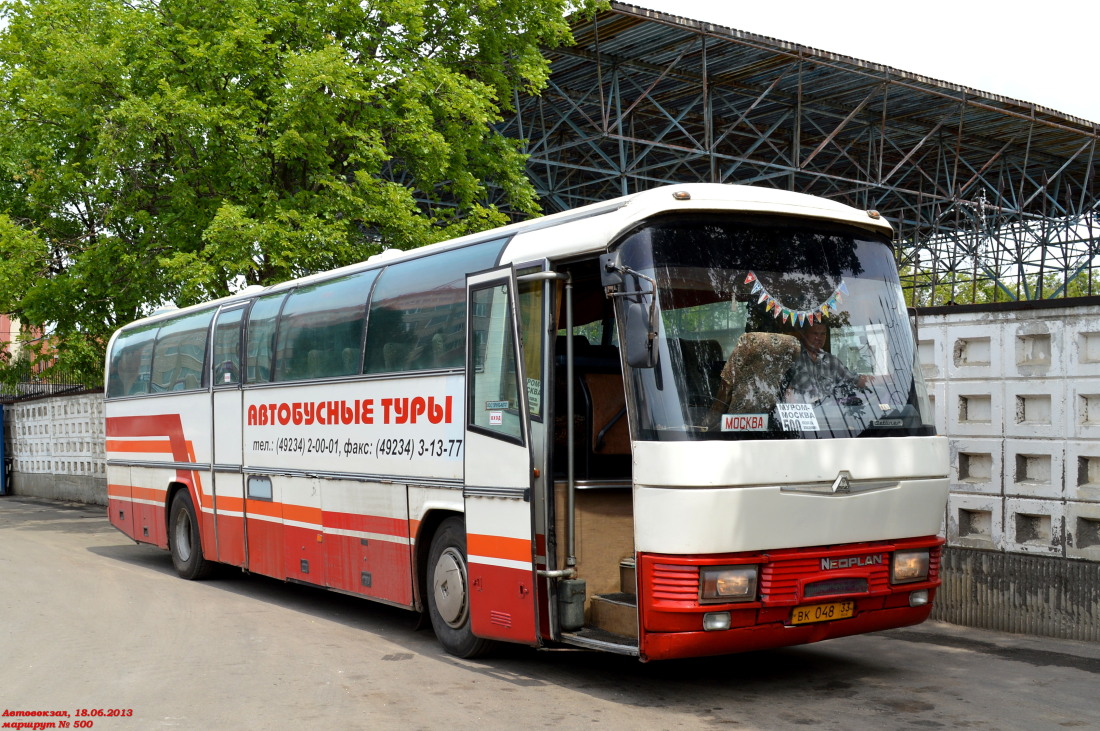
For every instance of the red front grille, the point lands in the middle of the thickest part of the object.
(672, 582)
(780, 580)
(675, 583)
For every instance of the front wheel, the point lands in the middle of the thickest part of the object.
(183, 539)
(449, 592)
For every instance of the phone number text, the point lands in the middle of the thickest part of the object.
(385, 447)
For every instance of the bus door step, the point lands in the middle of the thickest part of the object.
(615, 613)
(598, 639)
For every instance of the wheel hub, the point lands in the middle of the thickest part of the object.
(449, 588)
(183, 536)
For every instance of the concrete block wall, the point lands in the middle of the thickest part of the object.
(57, 446)
(1020, 393)
(1017, 391)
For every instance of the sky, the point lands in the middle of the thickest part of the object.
(1042, 52)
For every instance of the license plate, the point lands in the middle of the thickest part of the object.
(823, 612)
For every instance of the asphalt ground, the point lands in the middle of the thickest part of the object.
(101, 629)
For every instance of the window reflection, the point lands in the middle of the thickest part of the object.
(418, 312)
(774, 329)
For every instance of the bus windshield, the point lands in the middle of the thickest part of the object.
(771, 328)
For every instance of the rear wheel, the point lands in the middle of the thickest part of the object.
(183, 539)
(449, 592)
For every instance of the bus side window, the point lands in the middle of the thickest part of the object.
(260, 340)
(180, 352)
(417, 317)
(227, 348)
(321, 329)
(494, 392)
(130, 362)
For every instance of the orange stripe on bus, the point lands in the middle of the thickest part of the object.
(132, 492)
(263, 507)
(513, 549)
(302, 514)
(147, 493)
(229, 503)
(118, 491)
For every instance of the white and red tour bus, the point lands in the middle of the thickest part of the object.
(685, 422)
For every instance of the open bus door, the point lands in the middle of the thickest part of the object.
(498, 465)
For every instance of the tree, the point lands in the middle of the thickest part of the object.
(175, 150)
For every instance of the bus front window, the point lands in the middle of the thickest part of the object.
(772, 328)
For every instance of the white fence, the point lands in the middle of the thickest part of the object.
(57, 448)
(1018, 392)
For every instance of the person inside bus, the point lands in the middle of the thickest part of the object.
(818, 374)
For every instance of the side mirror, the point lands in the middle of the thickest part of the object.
(611, 273)
(640, 328)
(639, 337)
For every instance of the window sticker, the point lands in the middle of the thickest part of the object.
(534, 395)
(797, 417)
(744, 422)
(878, 423)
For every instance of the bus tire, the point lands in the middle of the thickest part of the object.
(449, 592)
(183, 539)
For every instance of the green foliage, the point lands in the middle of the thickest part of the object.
(923, 289)
(174, 150)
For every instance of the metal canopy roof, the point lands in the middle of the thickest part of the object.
(992, 198)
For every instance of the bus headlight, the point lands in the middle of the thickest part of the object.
(727, 583)
(909, 566)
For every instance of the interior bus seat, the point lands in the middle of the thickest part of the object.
(753, 379)
(601, 437)
(395, 356)
(314, 365)
(349, 361)
(608, 432)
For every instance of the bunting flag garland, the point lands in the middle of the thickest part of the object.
(811, 315)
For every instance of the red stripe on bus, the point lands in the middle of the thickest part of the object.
(162, 425)
(159, 425)
(143, 447)
(396, 527)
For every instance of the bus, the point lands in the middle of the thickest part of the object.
(685, 422)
